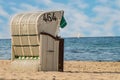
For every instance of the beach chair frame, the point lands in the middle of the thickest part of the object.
(28, 30)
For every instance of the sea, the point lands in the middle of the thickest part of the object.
(79, 49)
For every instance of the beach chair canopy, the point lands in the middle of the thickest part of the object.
(26, 29)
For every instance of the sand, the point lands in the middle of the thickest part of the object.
(73, 70)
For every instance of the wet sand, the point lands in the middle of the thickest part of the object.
(73, 70)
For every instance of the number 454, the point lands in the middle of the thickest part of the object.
(49, 17)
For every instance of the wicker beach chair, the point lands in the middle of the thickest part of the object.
(35, 41)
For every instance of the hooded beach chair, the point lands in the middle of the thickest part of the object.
(35, 40)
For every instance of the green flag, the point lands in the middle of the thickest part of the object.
(63, 22)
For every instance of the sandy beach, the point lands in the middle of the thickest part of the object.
(73, 70)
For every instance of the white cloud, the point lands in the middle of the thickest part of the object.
(108, 17)
(5, 35)
(102, 10)
(24, 7)
(79, 3)
(3, 13)
(12, 4)
(29, 7)
(16, 10)
(44, 1)
(4, 27)
(103, 1)
(1, 21)
(5, 31)
(117, 3)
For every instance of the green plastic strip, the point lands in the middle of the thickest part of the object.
(27, 58)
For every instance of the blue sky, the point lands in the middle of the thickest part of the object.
(90, 18)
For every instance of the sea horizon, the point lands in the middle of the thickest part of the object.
(80, 37)
(79, 49)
